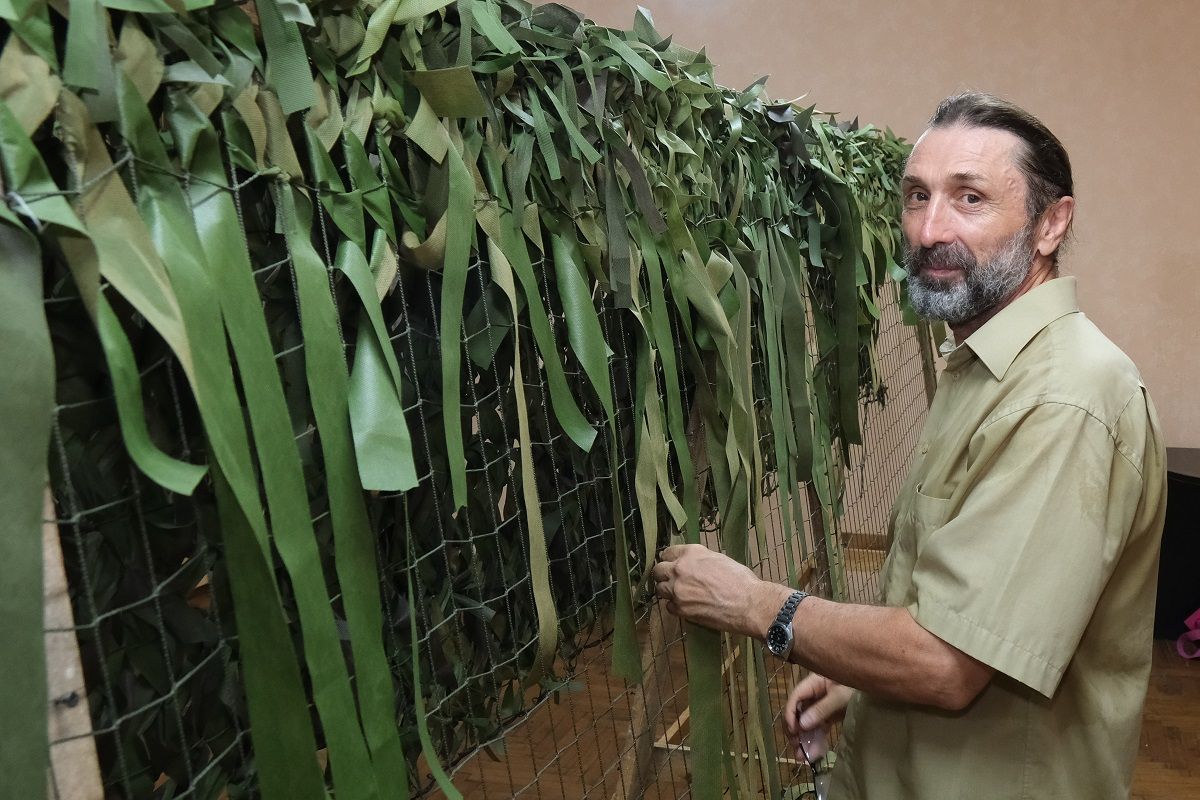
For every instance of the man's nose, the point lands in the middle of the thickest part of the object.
(936, 227)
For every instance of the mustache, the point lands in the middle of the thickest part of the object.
(945, 255)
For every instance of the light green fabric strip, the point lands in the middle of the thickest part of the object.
(539, 563)
(381, 439)
(287, 63)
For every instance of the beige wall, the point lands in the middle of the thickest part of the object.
(1118, 82)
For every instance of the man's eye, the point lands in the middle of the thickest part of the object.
(917, 196)
(972, 199)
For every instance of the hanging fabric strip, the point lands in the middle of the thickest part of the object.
(27, 364)
(354, 545)
(494, 222)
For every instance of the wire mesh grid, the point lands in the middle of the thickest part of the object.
(152, 602)
(630, 742)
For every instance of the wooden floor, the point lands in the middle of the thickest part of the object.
(573, 750)
(1168, 765)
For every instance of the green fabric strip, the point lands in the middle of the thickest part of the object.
(539, 563)
(163, 204)
(87, 45)
(126, 251)
(676, 421)
(227, 266)
(287, 63)
(846, 299)
(460, 235)
(170, 473)
(35, 30)
(451, 92)
(627, 662)
(566, 410)
(702, 647)
(381, 438)
(487, 22)
(284, 748)
(26, 173)
(27, 364)
(619, 261)
(365, 180)
(579, 312)
(427, 749)
(354, 545)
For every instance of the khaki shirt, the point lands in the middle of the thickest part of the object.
(1027, 536)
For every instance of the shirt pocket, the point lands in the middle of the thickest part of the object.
(927, 513)
(919, 516)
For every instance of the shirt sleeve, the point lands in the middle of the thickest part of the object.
(1013, 578)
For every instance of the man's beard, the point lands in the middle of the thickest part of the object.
(983, 286)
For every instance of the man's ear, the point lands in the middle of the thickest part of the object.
(1056, 220)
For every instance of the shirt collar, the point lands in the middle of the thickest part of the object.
(998, 342)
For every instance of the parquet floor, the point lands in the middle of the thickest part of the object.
(1168, 765)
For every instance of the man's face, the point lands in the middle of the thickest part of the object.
(969, 243)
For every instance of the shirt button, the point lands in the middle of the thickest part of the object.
(924, 448)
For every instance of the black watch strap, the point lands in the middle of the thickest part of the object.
(789, 608)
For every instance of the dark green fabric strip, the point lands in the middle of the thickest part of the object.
(627, 662)
(427, 749)
(579, 311)
(702, 647)
(27, 364)
(619, 261)
(846, 304)
(285, 751)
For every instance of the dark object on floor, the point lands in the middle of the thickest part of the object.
(1179, 567)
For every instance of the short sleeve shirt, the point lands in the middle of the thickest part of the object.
(1027, 536)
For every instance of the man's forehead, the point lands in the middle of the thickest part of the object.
(962, 152)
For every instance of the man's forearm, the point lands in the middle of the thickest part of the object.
(882, 651)
(879, 650)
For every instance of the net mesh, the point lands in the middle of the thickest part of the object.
(153, 612)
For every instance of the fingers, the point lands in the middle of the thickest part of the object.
(811, 687)
(817, 713)
(827, 709)
(675, 551)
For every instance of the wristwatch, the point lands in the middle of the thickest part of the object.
(779, 635)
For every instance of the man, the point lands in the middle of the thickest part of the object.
(1011, 653)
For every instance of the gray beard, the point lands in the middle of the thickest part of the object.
(984, 286)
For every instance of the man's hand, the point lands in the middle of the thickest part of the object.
(713, 590)
(814, 705)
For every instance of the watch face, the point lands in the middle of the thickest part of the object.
(777, 638)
